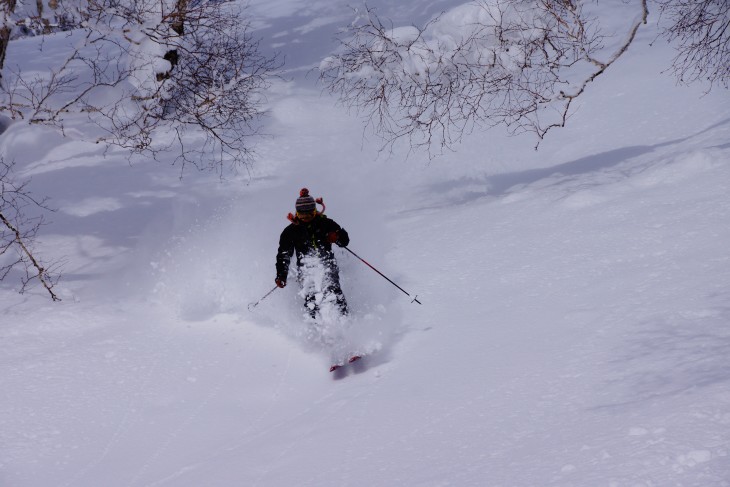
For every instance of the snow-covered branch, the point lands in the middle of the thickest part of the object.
(518, 63)
(482, 64)
(146, 73)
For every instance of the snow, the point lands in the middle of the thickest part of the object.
(573, 330)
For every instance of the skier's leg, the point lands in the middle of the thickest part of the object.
(309, 292)
(310, 305)
(342, 302)
(334, 288)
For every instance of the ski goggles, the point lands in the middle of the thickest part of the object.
(306, 214)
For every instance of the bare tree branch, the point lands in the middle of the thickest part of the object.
(18, 233)
(568, 97)
(701, 31)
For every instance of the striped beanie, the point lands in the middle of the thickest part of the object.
(305, 203)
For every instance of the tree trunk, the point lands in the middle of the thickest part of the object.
(178, 17)
(44, 20)
(7, 7)
(177, 25)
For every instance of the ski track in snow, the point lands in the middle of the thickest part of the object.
(227, 449)
(121, 428)
(230, 450)
(177, 433)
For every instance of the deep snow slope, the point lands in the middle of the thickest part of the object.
(573, 330)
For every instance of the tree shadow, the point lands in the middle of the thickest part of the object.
(5, 122)
(500, 184)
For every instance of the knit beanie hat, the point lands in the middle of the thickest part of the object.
(305, 203)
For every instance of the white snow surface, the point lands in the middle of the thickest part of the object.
(574, 325)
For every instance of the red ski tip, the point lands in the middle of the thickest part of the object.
(352, 359)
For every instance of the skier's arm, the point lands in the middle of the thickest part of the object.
(283, 257)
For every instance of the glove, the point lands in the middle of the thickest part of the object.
(333, 237)
(280, 282)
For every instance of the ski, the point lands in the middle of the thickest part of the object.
(352, 359)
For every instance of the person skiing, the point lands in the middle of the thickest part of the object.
(311, 235)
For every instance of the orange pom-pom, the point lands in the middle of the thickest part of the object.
(303, 192)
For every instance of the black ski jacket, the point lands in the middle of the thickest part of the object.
(308, 239)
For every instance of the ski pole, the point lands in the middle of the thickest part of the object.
(383, 275)
(251, 306)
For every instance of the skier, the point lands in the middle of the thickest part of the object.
(311, 235)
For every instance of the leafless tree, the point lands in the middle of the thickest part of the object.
(700, 29)
(518, 63)
(18, 232)
(148, 76)
(165, 69)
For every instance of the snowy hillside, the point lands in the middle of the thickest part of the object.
(573, 332)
